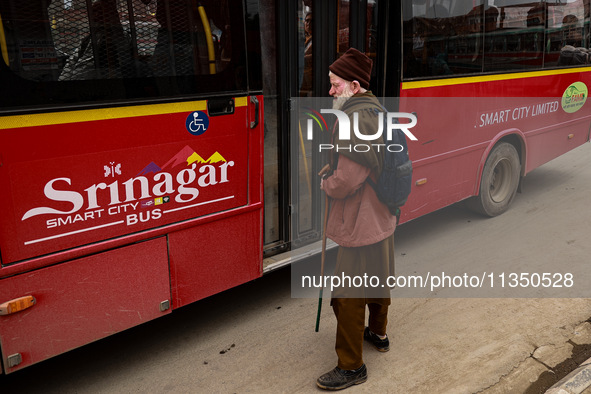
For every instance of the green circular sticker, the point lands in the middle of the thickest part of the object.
(574, 97)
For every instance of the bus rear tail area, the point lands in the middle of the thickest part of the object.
(130, 152)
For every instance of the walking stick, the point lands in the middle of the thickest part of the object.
(323, 255)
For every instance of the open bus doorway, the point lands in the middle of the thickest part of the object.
(309, 36)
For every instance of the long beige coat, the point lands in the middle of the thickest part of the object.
(358, 221)
(357, 217)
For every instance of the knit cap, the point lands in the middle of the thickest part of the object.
(353, 66)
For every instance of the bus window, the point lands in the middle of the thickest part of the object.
(183, 39)
(302, 162)
(371, 44)
(515, 39)
(441, 38)
(192, 37)
(343, 27)
(567, 34)
(105, 51)
(28, 43)
(273, 219)
(572, 31)
(358, 27)
(305, 49)
(463, 37)
(58, 48)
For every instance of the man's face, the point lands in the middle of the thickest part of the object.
(308, 25)
(339, 89)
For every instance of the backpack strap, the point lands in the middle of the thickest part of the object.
(370, 179)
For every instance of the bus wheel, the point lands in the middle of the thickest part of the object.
(500, 179)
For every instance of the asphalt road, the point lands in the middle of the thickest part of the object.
(257, 338)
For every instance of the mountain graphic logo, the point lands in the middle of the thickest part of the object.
(186, 157)
(180, 158)
(215, 158)
(195, 158)
(152, 167)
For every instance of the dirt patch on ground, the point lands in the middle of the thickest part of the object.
(547, 379)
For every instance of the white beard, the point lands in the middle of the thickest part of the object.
(339, 101)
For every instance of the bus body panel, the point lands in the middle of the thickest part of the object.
(89, 181)
(225, 249)
(550, 143)
(461, 119)
(83, 300)
(86, 175)
(215, 256)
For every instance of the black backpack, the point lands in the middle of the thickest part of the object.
(394, 183)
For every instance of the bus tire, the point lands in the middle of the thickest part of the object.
(499, 182)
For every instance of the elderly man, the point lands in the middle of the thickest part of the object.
(359, 223)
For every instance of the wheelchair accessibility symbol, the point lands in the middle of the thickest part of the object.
(197, 123)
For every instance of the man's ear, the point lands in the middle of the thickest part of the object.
(355, 87)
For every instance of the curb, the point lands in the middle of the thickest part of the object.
(575, 382)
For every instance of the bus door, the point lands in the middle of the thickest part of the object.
(318, 32)
(300, 39)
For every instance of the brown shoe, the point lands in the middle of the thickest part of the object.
(339, 379)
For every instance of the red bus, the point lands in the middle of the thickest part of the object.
(147, 159)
